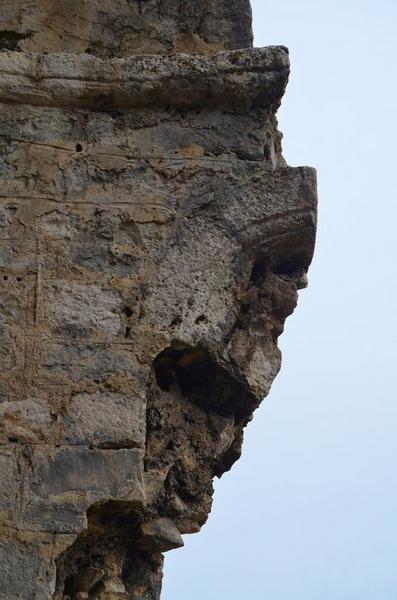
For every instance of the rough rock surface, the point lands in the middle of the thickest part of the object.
(152, 242)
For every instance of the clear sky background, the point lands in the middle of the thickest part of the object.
(310, 511)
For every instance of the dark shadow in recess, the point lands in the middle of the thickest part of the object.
(202, 381)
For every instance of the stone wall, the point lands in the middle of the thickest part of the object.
(152, 243)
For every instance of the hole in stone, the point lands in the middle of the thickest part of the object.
(105, 556)
(69, 587)
(197, 376)
(244, 309)
(9, 40)
(259, 270)
(79, 147)
(201, 319)
(288, 268)
(5, 277)
(19, 278)
(266, 152)
(127, 310)
(127, 331)
(176, 321)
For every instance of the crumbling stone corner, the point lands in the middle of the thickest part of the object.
(152, 243)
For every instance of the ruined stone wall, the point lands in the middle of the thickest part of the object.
(152, 242)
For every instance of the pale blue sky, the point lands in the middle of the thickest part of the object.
(310, 512)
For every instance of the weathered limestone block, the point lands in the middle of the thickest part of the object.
(159, 535)
(152, 244)
(125, 27)
(105, 419)
(26, 564)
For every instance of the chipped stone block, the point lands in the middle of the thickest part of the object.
(105, 419)
(67, 481)
(76, 361)
(159, 535)
(25, 421)
(83, 311)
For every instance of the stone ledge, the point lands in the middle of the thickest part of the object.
(232, 81)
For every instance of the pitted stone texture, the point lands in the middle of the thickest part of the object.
(105, 419)
(124, 27)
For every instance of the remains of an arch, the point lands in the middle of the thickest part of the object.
(152, 242)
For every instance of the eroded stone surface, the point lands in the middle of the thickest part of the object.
(159, 535)
(152, 244)
(125, 27)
